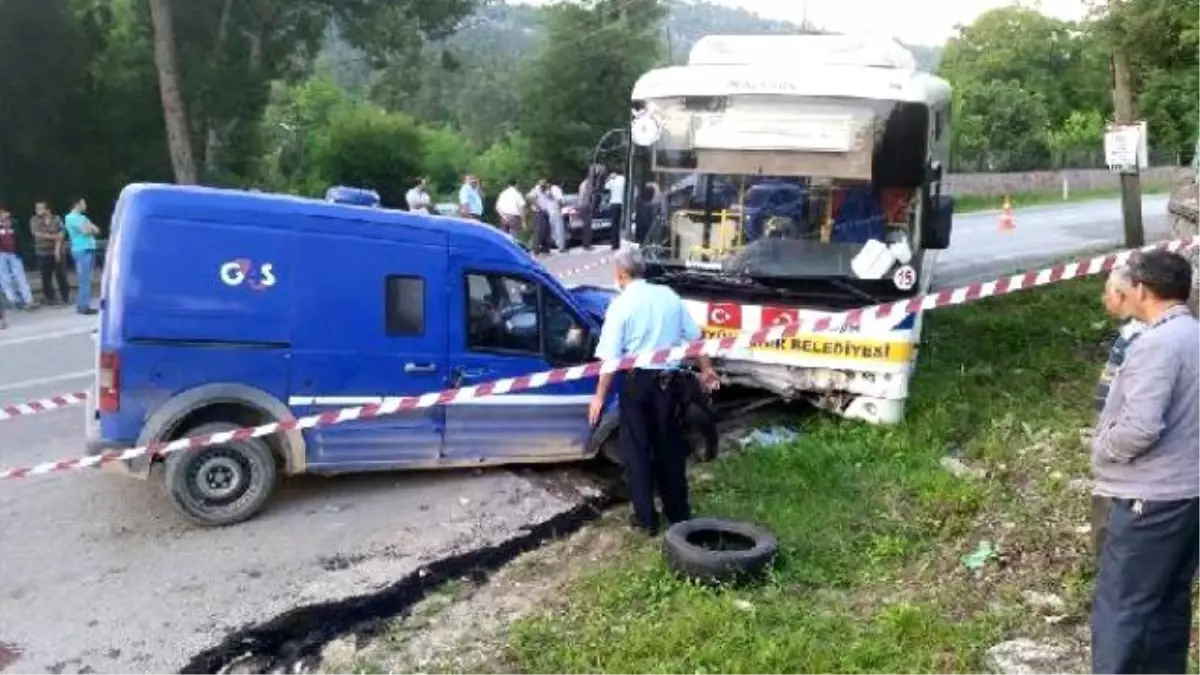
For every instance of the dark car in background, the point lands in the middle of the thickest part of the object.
(573, 212)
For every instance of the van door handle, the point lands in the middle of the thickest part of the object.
(420, 367)
(476, 372)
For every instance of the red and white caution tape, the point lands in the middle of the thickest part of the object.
(8, 412)
(710, 347)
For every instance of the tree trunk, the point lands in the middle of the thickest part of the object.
(214, 138)
(179, 141)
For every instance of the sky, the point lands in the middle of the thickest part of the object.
(927, 22)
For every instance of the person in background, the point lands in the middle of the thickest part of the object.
(615, 186)
(82, 233)
(510, 206)
(653, 448)
(585, 212)
(470, 199)
(1145, 462)
(48, 241)
(1116, 300)
(539, 197)
(418, 198)
(558, 227)
(13, 282)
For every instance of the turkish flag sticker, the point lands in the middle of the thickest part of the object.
(725, 315)
(779, 316)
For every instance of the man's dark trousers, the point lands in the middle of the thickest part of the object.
(614, 214)
(1142, 611)
(541, 232)
(53, 270)
(653, 447)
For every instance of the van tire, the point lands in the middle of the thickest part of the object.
(611, 449)
(248, 463)
(709, 565)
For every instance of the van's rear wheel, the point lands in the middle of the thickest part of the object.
(221, 484)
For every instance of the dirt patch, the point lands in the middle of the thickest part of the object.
(463, 628)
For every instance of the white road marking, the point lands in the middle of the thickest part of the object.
(47, 380)
(46, 336)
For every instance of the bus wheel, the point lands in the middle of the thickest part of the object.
(221, 484)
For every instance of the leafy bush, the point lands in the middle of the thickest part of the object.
(447, 156)
(507, 159)
(368, 148)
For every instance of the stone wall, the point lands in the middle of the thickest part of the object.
(1079, 180)
(1183, 210)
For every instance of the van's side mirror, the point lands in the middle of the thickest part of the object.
(939, 220)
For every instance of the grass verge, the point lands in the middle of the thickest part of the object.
(975, 203)
(873, 528)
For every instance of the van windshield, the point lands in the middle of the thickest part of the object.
(772, 189)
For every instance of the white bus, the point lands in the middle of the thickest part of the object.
(781, 177)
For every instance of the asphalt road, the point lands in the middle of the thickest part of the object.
(98, 574)
(979, 250)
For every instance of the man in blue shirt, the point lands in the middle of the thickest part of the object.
(648, 317)
(470, 201)
(82, 234)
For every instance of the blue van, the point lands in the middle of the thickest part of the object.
(223, 309)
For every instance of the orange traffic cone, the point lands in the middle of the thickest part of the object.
(1007, 222)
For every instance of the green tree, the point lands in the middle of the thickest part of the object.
(507, 159)
(1000, 126)
(1079, 140)
(578, 84)
(296, 115)
(230, 51)
(79, 110)
(446, 157)
(366, 147)
(1160, 38)
(1045, 55)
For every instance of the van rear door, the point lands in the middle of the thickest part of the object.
(372, 323)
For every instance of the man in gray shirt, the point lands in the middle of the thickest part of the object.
(1146, 461)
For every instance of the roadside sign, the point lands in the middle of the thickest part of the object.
(1125, 146)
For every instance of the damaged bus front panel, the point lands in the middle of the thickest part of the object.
(766, 196)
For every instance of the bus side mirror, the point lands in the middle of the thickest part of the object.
(933, 172)
(939, 220)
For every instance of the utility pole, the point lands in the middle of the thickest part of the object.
(1131, 181)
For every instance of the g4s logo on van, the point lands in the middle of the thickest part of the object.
(241, 271)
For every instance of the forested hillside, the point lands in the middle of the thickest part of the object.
(470, 77)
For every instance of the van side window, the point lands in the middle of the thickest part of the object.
(404, 306)
(502, 314)
(567, 339)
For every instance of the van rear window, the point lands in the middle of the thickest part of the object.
(404, 311)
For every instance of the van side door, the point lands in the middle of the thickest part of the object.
(374, 327)
(513, 325)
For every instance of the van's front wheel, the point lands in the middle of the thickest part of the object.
(221, 484)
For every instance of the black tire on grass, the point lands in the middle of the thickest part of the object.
(688, 555)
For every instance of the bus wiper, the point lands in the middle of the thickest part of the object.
(717, 280)
(850, 288)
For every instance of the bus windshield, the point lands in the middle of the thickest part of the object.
(776, 190)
